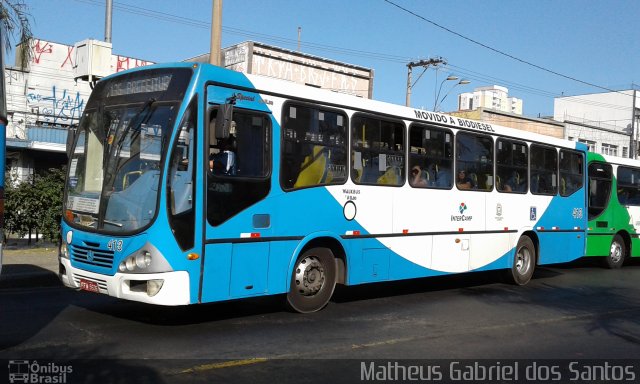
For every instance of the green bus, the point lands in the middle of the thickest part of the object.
(614, 209)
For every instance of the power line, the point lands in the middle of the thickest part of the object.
(346, 51)
(498, 50)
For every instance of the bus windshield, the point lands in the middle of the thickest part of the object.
(115, 167)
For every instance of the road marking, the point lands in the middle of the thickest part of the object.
(226, 364)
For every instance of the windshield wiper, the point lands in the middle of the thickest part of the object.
(113, 223)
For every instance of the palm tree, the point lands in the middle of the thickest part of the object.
(15, 20)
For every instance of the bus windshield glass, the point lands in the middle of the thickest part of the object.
(116, 164)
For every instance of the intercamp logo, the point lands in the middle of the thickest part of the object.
(24, 371)
(461, 217)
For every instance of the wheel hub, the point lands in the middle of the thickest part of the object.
(616, 252)
(309, 277)
(522, 261)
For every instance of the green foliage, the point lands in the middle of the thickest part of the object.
(16, 20)
(35, 205)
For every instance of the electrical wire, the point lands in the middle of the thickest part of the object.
(498, 50)
(367, 54)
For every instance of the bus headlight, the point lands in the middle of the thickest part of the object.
(143, 260)
(130, 263)
(136, 263)
(154, 286)
(64, 251)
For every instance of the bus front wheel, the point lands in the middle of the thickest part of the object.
(313, 281)
(617, 253)
(524, 262)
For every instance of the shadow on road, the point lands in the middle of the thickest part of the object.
(602, 299)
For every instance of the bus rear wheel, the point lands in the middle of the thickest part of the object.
(524, 262)
(617, 253)
(313, 281)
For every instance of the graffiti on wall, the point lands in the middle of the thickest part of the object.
(124, 63)
(63, 56)
(40, 48)
(58, 106)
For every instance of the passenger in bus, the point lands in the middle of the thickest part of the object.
(512, 184)
(224, 162)
(463, 181)
(419, 177)
(442, 175)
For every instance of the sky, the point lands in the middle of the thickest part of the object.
(538, 49)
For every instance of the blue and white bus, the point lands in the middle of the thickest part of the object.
(189, 183)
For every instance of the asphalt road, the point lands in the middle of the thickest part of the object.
(567, 313)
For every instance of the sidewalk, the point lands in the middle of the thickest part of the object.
(24, 266)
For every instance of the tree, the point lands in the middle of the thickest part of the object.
(49, 191)
(15, 20)
(35, 205)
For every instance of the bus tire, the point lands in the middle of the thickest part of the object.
(313, 281)
(524, 262)
(617, 253)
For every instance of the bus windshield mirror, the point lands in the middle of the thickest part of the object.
(223, 120)
(71, 138)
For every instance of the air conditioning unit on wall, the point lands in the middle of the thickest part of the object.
(93, 60)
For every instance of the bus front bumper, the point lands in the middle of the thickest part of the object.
(168, 288)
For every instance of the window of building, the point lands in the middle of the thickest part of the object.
(609, 149)
(544, 170)
(571, 172)
(474, 165)
(625, 152)
(511, 166)
(314, 147)
(590, 144)
(430, 157)
(377, 151)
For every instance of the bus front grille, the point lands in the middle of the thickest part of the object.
(92, 256)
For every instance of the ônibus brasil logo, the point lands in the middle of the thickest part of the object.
(461, 217)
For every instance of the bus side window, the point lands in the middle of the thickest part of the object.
(544, 170)
(181, 181)
(511, 167)
(571, 172)
(474, 166)
(377, 151)
(430, 157)
(314, 150)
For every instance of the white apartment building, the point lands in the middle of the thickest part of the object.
(492, 97)
(606, 122)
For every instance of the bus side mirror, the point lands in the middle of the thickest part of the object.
(72, 132)
(223, 121)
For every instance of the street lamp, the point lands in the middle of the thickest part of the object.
(436, 103)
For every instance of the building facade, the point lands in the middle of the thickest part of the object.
(541, 126)
(43, 101)
(267, 60)
(493, 97)
(606, 122)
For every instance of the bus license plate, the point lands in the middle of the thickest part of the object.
(88, 285)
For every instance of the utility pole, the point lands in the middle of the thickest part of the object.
(633, 153)
(216, 33)
(107, 21)
(422, 63)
